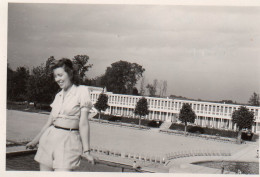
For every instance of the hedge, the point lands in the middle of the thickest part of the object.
(144, 122)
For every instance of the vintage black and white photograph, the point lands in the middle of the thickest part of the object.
(133, 88)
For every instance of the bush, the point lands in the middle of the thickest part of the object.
(246, 136)
(223, 133)
(135, 121)
(45, 107)
(175, 126)
(196, 129)
(114, 118)
(204, 130)
(103, 116)
(154, 123)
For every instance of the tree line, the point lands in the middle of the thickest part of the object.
(38, 85)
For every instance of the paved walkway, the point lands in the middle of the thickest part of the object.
(24, 126)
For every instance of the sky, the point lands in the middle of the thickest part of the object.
(203, 52)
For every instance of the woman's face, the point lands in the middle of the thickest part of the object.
(62, 78)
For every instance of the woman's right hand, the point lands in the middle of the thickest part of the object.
(89, 158)
(31, 145)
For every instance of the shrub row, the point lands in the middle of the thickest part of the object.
(204, 130)
(213, 131)
(32, 107)
(144, 122)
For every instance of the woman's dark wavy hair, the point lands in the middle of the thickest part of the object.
(68, 67)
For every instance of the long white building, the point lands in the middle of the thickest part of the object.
(214, 115)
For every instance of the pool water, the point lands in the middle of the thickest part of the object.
(244, 167)
(27, 163)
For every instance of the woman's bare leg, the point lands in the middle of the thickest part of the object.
(45, 168)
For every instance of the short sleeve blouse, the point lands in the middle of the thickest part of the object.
(69, 106)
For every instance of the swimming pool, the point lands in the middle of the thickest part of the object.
(233, 166)
(25, 162)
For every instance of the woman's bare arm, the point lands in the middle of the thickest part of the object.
(84, 129)
(36, 139)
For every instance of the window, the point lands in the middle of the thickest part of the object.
(202, 108)
(225, 110)
(221, 109)
(198, 106)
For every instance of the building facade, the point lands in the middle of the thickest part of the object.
(213, 115)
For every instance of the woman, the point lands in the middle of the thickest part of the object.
(66, 135)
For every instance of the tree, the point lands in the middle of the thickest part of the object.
(141, 109)
(254, 100)
(41, 86)
(142, 89)
(164, 90)
(101, 104)
(16, 83)
(160, 85)
(36, 84)
(80, 61)
(187, 115)
(151, 90)
(227, 101)
(22, 75)
(155, 85)
(96, 82)
(48, 64)
(10, 83)
(122, 76)
(243, 118)
(135, 91)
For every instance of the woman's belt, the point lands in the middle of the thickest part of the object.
(69, 129)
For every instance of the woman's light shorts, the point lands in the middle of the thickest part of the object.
(59, 149)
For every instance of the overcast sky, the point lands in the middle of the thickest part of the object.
(208, 52)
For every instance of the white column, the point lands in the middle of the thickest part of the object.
(203, 121)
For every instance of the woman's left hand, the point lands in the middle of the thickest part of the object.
(89, 158)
